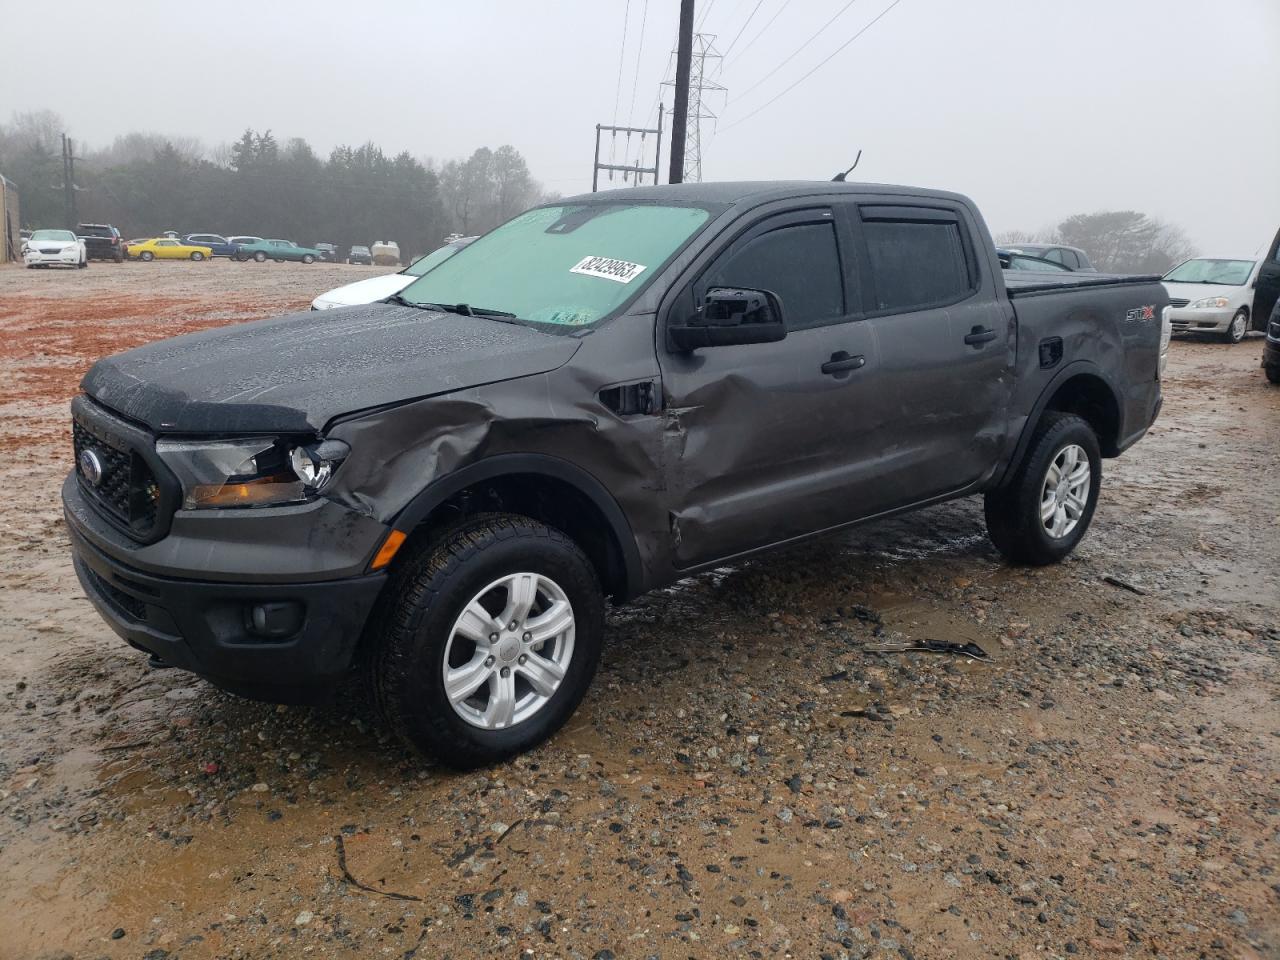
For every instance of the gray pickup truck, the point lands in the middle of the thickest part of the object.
(436, 494)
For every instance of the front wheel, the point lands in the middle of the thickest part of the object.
(1273, 374)
(197, 255)
(308, 258)
(147, 256)
(1045, 509)
(490, 640)
(260, 257)
(1238, 327)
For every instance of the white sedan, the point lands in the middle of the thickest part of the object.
(53, 248)
(379, 288)
(1211, 296)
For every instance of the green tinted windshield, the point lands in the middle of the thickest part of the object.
(432, 259)
(568, 265)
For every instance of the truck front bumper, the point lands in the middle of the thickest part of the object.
(257, 636)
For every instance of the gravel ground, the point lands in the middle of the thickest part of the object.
(756, 773)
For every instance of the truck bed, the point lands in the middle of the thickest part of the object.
(1019, 284)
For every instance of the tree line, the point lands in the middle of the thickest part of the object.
(259, 185)
(1117, 241)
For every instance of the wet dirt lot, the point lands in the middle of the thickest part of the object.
(749, 777)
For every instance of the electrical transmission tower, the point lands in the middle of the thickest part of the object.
(702, 89)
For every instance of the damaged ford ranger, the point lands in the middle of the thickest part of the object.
(435, 495)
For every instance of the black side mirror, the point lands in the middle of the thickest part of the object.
(730, 316)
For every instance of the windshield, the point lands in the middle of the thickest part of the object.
(432, 259)
(1230, 272)
(568, 265)
(53, 235)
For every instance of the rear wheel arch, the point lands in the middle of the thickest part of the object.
(1083, 389)
(546, 489)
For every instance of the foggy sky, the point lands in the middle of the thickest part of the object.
(1038, 109)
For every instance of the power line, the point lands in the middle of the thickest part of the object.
(745, 24)
(795, 53)
(818, 67)
(763, 31)
(635, 83)
(705, 10)
(622, 57)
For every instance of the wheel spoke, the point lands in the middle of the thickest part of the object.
(555, 621)
(1047, 508)
(1074, 505)
(461, 682)
(476, 623)
(502, 700)
(1054, 475)
(522, 590)
(543, 675)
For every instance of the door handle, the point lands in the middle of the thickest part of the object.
(979, 335)
(841, 362)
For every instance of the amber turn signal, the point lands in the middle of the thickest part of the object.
(388, 549)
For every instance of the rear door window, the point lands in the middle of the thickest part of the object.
(799, 262)
(919, 258)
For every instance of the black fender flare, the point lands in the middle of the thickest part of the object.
(505, 464)
(1073, 369)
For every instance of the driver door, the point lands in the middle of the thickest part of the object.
(763, 440)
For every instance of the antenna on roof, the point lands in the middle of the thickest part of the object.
(839, 177)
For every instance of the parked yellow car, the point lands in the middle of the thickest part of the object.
(164, 248)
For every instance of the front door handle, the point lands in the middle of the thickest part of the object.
(978, 336)
(841, 362)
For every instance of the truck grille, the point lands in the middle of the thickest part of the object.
(128, 489)
(1178, 302)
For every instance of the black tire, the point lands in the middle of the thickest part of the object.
(308, 258)
(1273, 374)
(1013, 511)
(426, 594)
(146, 256)
(197, 255)
(1238, 327)
(260, 256)
(82, 264)
(118, 258)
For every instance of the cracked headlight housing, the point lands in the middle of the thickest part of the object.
(254, 472)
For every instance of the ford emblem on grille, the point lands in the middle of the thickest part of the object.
(91, 467)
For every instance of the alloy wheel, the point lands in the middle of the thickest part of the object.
(1065, 492)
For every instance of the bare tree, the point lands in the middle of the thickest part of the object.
(1126, 241)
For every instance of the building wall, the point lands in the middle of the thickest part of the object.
(9, 221)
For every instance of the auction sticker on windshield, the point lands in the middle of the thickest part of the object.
(620, 271)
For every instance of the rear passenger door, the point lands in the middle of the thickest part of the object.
(945, 344)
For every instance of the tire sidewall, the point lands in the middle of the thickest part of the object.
(1240, 314)
(416, 686)
(1066, 432)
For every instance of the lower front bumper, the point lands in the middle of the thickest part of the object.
(281, 642)
(52, 260)
(1184, 320)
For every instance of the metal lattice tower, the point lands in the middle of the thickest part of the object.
(701, 90)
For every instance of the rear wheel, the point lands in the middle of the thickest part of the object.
(260, 256)
(490, 640)
(1273, 374)
(1046, 508)
(1238, 327)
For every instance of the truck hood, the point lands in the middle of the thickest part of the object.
(363, 291)
(293, 374)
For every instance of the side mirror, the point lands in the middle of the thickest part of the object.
(730, 316)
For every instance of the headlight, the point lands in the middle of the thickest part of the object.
(254, 472)
(1209, 303)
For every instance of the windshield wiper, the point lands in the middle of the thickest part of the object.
(396, 298)
(467, 310)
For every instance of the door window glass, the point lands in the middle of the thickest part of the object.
(798, 263)
(917, 263)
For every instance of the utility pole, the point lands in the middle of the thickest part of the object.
(68, 183)
(680, 111)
